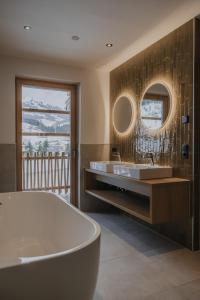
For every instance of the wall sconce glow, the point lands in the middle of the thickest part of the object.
(27, 27)
(124, 114)
(157, 106)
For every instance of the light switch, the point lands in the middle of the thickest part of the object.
(185, 151)
(185, 119)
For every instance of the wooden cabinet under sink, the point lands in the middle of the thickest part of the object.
(155, 201)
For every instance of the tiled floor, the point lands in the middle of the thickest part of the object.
(137, 264)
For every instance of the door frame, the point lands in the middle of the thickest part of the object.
(19, 82)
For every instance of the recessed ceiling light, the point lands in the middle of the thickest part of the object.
(27, 27)
(109, 45)
(75, 37)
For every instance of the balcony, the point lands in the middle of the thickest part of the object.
(46, 171)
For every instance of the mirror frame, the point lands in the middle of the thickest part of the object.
(133, 118)
(171, 107)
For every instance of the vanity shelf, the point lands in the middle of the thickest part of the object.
(154, 201)
(124, 201)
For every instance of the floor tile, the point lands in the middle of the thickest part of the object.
(189, 291)
(179, 267)
(138, 264)
(135, 234)
(112, 246)
(128, 278)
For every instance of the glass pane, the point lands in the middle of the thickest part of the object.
(152, 123)
(150, 108)
(43, 98)
(36, 122)
(45, 144)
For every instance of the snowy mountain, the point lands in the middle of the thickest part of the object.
(42, 122)
(30, 103)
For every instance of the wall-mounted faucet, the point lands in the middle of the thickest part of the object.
(116, 155)
(151, 156)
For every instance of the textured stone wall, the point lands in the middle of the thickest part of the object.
(169, 60)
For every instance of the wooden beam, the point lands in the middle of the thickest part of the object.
(52, 111)
(56, 134)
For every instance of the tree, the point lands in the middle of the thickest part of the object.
(39, 147)
(67, 148)
(45, 146)
(29, 147)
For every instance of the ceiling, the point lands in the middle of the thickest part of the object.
(95, 21)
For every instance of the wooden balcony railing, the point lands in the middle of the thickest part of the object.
(46, 171)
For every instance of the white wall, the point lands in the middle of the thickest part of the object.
(188, 10)
(93, 101)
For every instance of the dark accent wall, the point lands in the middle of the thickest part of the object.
(196, 137)
(170, 60)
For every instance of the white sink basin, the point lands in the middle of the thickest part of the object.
(107, 166)
(143, 171)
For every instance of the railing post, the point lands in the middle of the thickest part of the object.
(27, 171)
(23, 170)
(31, 177)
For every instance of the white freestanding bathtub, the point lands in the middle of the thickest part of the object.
(48, 249)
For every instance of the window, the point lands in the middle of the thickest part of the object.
(46, 136)
(153, 110)
(45, 119)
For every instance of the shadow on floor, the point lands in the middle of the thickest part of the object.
(135, 234)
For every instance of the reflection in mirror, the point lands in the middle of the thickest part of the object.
(122, 114)
(155, 106)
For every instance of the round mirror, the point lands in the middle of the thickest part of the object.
(155, 106)
(123, 114)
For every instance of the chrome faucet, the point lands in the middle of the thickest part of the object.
(116, 155)
(151, 156)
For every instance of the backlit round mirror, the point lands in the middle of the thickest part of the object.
(155, 106)
(123, 114)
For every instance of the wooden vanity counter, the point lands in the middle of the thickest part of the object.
(155, 201)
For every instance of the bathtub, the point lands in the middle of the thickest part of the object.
(48, 249)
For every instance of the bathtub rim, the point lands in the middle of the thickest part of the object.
(17, 261)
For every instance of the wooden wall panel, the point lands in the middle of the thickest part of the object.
(169, 60)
